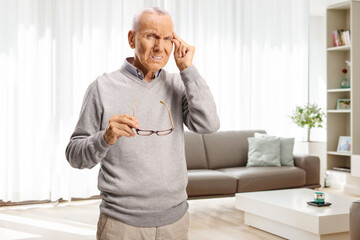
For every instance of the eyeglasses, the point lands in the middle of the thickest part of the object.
(160, 132)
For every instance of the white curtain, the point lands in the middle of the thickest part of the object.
(253, 54)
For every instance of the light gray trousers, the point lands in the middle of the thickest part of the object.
(111, 229)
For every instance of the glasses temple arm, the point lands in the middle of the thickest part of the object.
(172, 124)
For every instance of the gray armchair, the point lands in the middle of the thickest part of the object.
(355, 221)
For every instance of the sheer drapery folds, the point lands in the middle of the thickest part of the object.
(252, 53)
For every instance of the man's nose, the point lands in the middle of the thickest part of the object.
(158, 45)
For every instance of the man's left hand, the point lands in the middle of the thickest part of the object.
(183, 53)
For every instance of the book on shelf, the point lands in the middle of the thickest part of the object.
(341, 169)
(341, 37)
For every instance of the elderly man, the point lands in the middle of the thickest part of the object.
(131, 122)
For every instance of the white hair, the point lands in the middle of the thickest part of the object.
(151, 10)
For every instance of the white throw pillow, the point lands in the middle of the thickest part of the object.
(264, 152)
(286, 149)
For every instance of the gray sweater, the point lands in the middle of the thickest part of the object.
(142, 179)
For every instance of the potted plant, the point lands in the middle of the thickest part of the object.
(309, 116)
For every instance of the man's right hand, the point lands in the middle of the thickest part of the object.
(118, 126)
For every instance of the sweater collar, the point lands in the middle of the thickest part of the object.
(135, 71)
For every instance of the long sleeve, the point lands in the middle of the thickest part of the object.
(199, 109)
(87, 145)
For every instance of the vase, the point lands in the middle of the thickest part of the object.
(345, 82)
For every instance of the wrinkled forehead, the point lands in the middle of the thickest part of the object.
(161, 24)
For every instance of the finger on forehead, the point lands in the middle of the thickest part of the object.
(177, 37)
(176, 42)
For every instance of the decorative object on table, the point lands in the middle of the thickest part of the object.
(319, 200)
(319, 197)
(343, 104)
(345, 82)
(344, 144)
(309, 116)
(327, 180)
(313, 203)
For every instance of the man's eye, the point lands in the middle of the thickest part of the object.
(167, 38)
(150, 35)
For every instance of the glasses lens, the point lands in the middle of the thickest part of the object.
(164, 132)
(144, 132)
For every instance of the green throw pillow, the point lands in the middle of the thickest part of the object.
(264, 152)
(286, 149)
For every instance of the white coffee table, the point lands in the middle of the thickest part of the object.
(285, 213)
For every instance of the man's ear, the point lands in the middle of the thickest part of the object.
(131, 39)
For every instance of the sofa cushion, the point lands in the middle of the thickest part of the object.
(267, 178)
(228, 148)
(264, 152)
(195, 151)
(204, 182)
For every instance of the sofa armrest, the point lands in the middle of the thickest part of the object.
(355, 220)
(311, 165)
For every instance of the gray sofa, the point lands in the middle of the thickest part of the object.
(355, 221)
(216, 166)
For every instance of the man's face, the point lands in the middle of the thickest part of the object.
(152, 42)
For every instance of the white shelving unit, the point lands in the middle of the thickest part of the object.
(339, 90)
(343, 122)
(339, 111)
